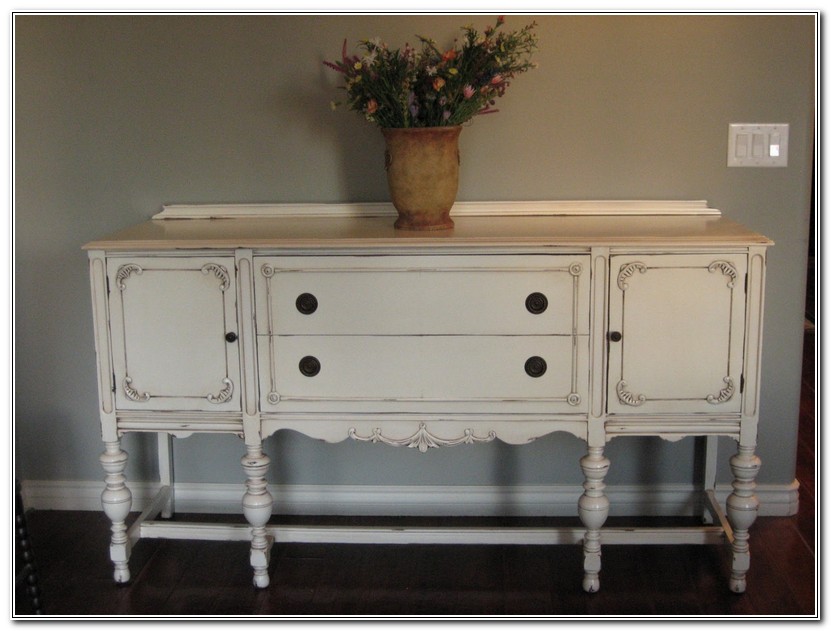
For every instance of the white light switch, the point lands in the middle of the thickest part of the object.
(757, 145)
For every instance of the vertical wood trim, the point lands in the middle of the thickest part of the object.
(165, 453)
(100, 317)
(753, 348)
(710, 461)
(164, 443)
(598, 310)
(248, 349)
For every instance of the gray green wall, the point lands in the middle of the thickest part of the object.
(116, 115)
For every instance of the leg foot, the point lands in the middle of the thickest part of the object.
(116, 500)
(593, 509)
(742, 507)
(256, 506)
(121, 575)
(591, 584)
(738, 585)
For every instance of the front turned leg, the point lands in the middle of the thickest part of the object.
(742, 506)
(256, 506)
(116, 500)
(593, 508)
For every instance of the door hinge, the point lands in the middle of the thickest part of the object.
(741, 384)
(113, 383)
(745, 282)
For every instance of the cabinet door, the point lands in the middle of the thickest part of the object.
(676, 336)
(169, 320)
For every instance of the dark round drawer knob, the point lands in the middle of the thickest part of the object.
(615, 336)
(306, 303)
(536, 303)
(231, 337)
(535, 366)
(309, 366)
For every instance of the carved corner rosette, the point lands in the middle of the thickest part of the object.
(223, 395)
(627, 271)
(422, 439)
(628, 398)
(220, 272)
(132, 393)
(725, 394)
(124, 273)
(726, 268)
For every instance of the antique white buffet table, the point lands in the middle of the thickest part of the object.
(600, 319)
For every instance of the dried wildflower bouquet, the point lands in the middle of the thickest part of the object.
(402, 88)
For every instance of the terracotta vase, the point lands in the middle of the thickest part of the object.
(422, 166)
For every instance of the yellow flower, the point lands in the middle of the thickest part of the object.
(358, 65)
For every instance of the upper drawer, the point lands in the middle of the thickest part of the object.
(422, 295)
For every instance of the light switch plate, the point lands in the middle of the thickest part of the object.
(757, 145)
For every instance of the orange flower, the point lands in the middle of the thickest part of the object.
(371, 106)
(449, 55)
(438, 83)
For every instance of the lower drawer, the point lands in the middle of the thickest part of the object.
(385, 373)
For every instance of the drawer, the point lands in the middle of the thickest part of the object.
(381, 373)
(423, 295)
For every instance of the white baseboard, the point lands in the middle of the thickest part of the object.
(530, 500)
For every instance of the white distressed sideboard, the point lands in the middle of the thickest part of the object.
(600, 319)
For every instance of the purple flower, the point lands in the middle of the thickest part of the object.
(412, 105)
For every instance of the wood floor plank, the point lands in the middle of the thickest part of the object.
(181, 577)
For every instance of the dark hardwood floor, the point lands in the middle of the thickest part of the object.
(187, 578)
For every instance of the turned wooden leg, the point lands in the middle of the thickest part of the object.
(256, 506)
(593, 508)
(742, 506)
(116, 501)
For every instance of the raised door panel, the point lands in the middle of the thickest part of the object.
(169, 321)
(425, 295)
(676, 333)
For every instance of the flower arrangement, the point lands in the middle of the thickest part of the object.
(397, 88)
